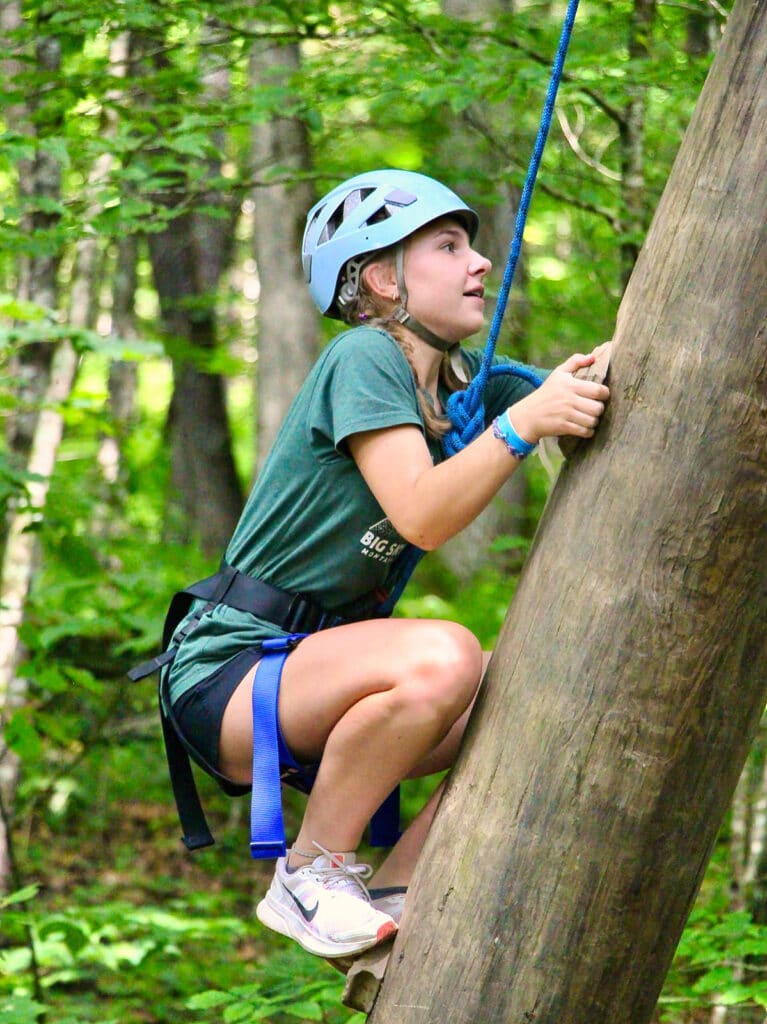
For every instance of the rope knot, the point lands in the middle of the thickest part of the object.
(466, 412)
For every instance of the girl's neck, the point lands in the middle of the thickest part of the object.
(426, 363)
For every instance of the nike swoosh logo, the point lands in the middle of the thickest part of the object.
(308, 915)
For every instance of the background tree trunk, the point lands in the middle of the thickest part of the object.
(17, 573)
(203, 466)
(630, 675)
(632, 130)
(123, 376)
(188, 259)
(34, 431)
(288, 324)
(463, 150)
(39, 189)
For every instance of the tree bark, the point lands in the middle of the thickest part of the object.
(18, 568)
(288, 324)
(630, 675)
(38, 179)
(123, 375)
(188, 259)
(203, 466)
(631, 130)
(462, 150)
(701, 32)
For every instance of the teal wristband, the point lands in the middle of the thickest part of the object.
(504, 431)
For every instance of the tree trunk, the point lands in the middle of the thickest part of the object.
(466, 553)
(630, 675)
(123, 376)
(18, 568)
(38, 182)
(188, 259)
(631, 131)
(288, 324)
(701, 33)
(203, 466)
(34, 431)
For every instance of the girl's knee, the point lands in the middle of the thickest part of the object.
(442, 670)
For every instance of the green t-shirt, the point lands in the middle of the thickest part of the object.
(311, 524)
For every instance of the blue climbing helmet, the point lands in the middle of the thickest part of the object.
(363, 215)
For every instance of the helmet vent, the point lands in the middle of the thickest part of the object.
(342, 212)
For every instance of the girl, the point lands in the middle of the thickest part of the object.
(356, 474)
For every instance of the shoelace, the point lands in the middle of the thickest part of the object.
(342, 876)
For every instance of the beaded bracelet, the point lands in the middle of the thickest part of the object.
(504, 430)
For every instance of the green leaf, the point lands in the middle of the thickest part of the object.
(240, 1012)
(20, 896)
(306, 1010)
(22, 737)
(209, 999)
(19, 309)
(19, 1009)
(75, 937)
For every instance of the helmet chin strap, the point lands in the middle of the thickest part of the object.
(401, 315)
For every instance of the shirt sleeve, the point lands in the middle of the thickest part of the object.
(367, 384)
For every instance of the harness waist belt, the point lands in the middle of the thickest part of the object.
(290, 612)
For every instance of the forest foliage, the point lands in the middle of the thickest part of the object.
(123, 122)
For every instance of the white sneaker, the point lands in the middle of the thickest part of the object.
(325, 906)
(389, 900)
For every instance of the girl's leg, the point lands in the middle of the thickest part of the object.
(371, 700)
(397, 869)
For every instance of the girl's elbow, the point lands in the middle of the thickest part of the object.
(427, 537)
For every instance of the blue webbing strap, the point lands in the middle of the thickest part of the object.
(384, 825)
(267, 829)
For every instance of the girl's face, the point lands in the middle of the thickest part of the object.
(445, 280)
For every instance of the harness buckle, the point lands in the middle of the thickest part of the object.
(301, 617)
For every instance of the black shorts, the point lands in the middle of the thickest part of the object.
(198, 714)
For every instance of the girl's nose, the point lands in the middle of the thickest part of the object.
(480, 264)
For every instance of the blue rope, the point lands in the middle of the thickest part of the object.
(466, 408)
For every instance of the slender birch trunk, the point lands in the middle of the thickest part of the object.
(18, 568)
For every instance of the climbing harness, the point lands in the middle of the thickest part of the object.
(273, 763)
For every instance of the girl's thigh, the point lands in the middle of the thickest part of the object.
(333, 670)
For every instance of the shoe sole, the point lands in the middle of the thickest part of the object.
(294, 929)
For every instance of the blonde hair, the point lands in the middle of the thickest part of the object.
(367, 308)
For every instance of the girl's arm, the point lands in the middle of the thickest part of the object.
(429, 504)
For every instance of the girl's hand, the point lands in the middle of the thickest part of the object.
(563, 404)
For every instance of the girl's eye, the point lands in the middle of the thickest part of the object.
(449, 246)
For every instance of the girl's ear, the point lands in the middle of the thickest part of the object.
(381, 278)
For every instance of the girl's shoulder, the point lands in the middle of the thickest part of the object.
(364, 349)
(364, 338)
